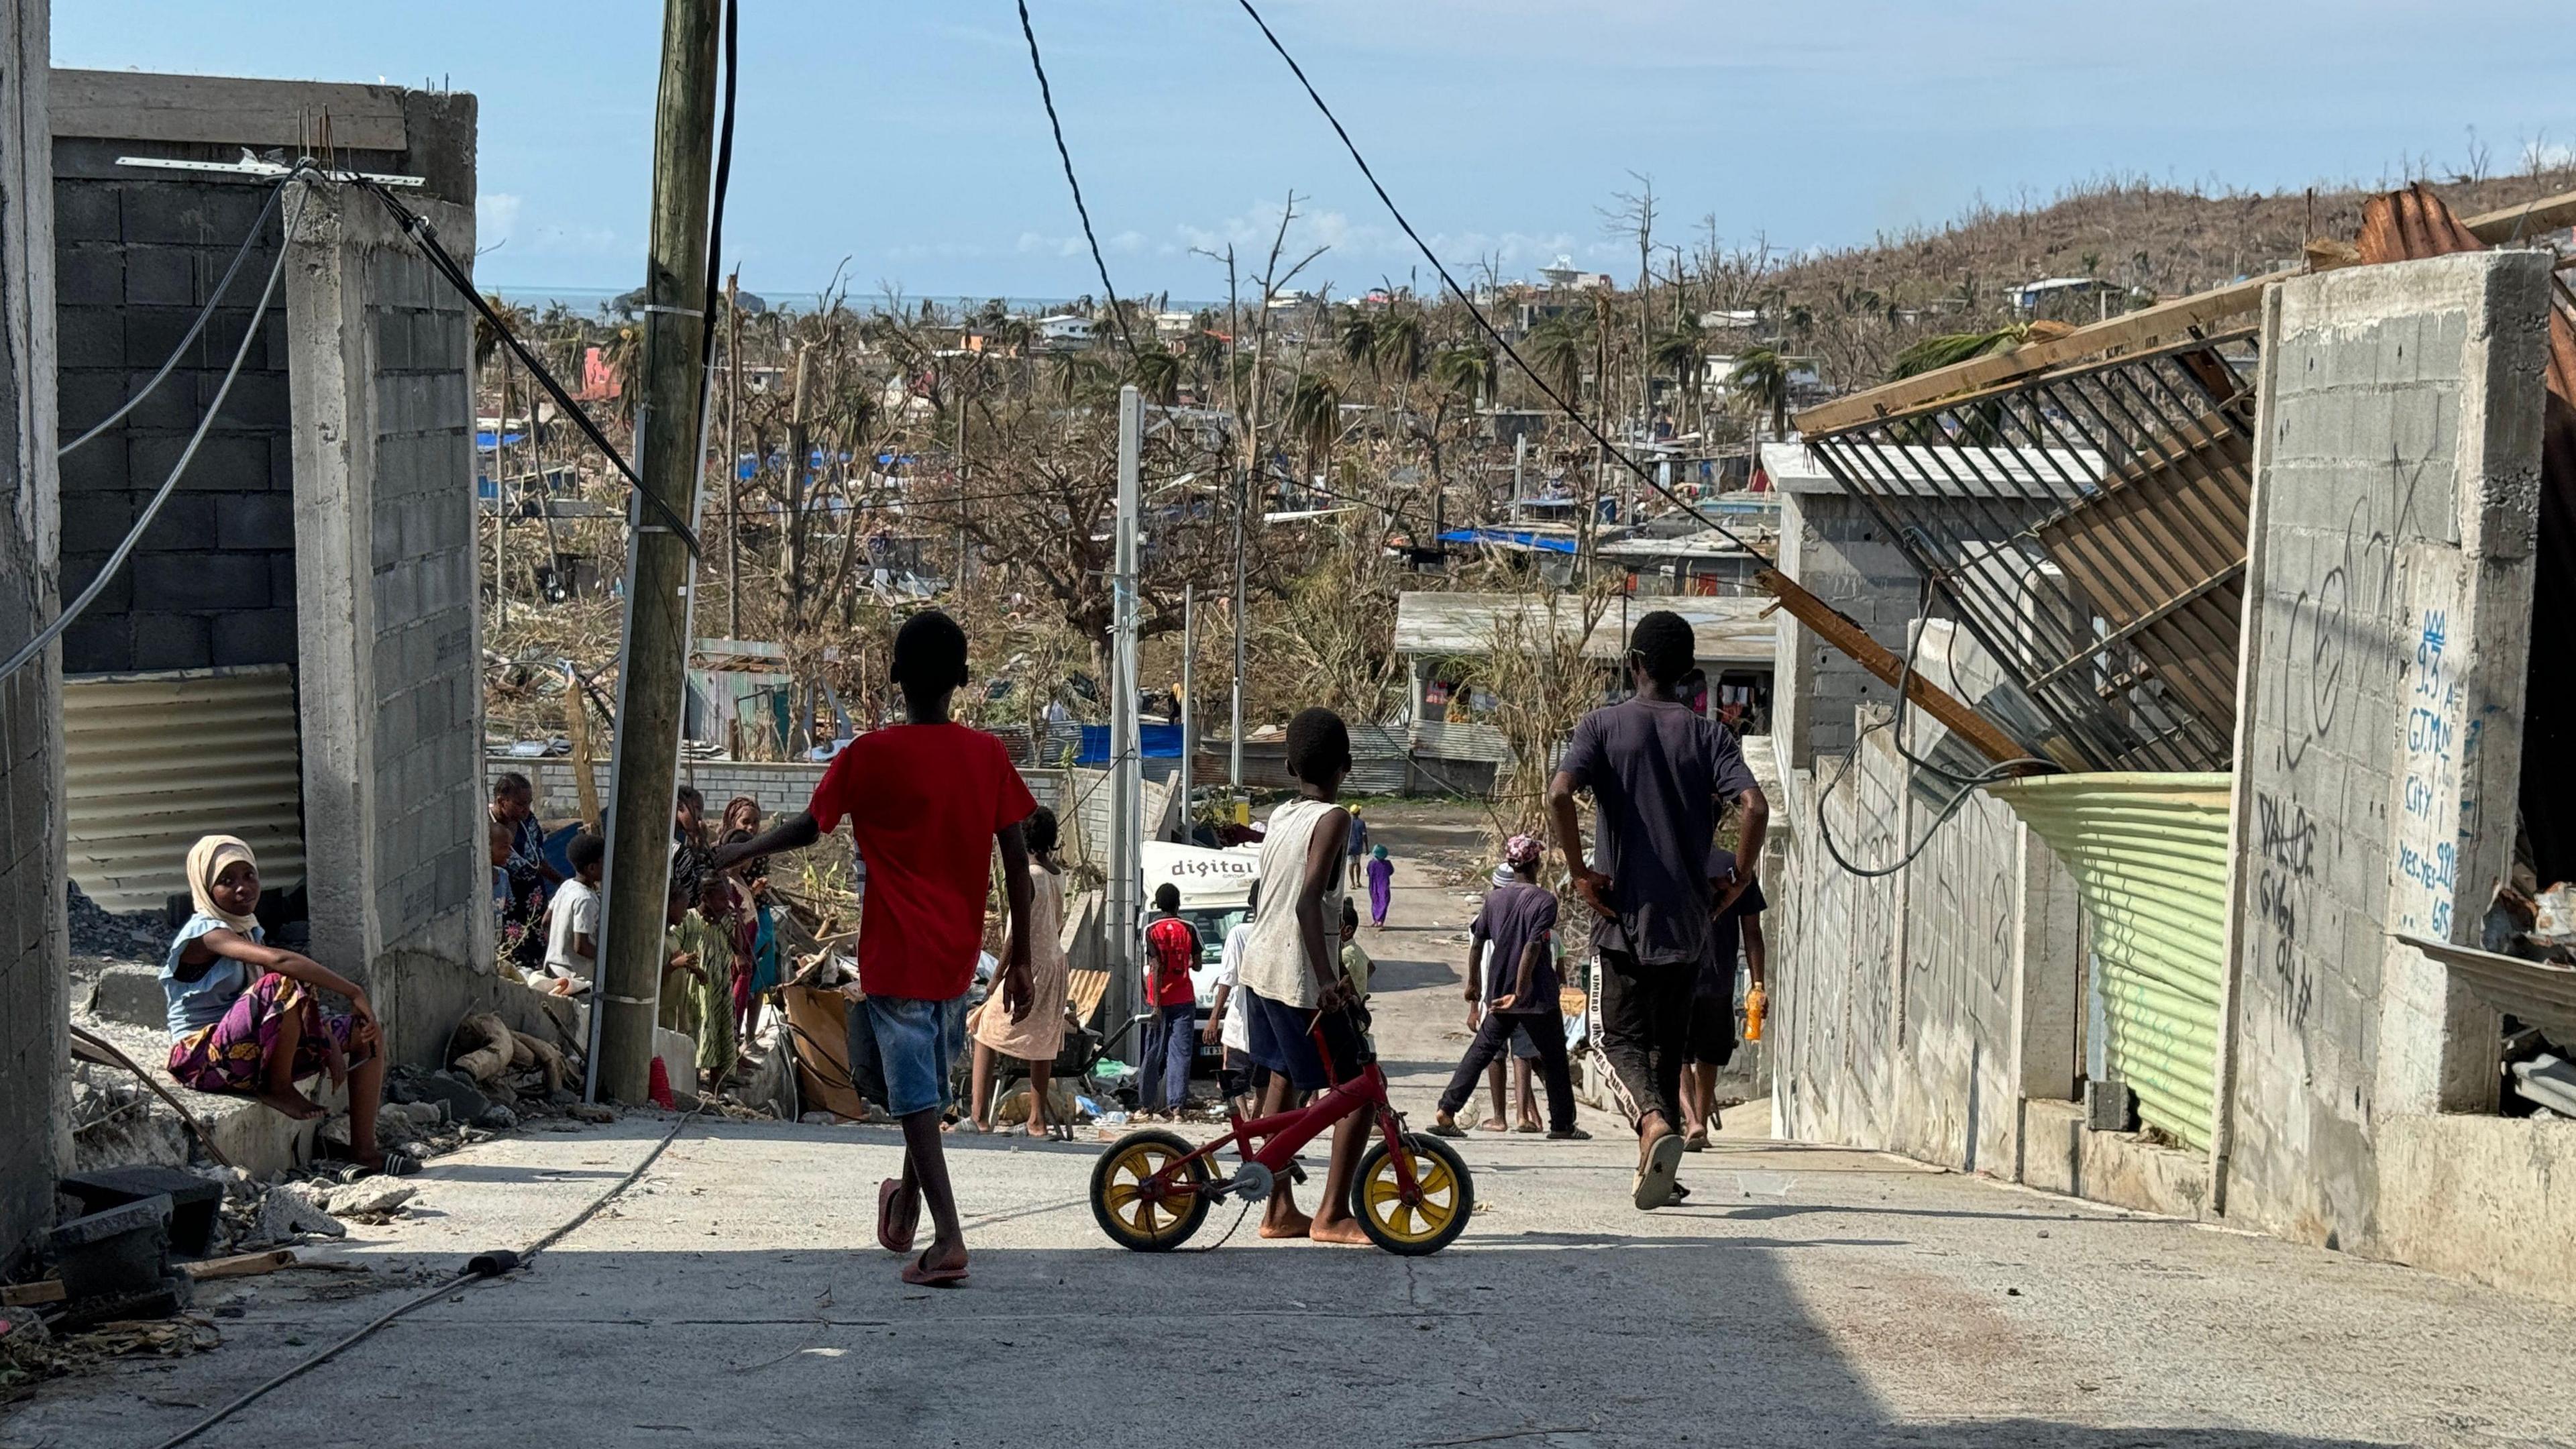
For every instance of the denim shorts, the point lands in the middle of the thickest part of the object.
(918, 1043)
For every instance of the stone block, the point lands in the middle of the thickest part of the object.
(86, 336)
(263, 520)
(99, 644)
(87, 211)
(130, 994)
(194, 1200)
(93, 522)
(90, 276)
(200, 582)
(184, 524)
(171, 641)
(158, 276)
(259, 636)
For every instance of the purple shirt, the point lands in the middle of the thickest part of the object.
(1513, 916)
(1656, 772)
(1726, 933)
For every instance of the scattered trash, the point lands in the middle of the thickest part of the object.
(1762, 1184)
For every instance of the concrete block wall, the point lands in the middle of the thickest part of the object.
(35, 1101)
(2378, 760)
(1919, 1011)
(136, 254)
(390, 694)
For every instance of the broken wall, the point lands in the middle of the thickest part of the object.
(2378, 759)
(379, 359)
(35, 1093)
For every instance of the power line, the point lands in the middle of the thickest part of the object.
(1117, 313)
(151, 510)
(422, 233)
(1613, 449)
(188, 339)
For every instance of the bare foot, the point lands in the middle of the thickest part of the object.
(1492, 1124)
(1291, 1225)
(1341, 1232)
(1040, 1130)
(294, 1104)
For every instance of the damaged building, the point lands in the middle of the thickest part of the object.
(289, 652)
(2246, 930)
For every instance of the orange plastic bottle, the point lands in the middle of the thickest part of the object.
(1756, 1002)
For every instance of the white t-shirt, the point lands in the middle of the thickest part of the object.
(1235, 1032)
(575, 911)
(1274, 959)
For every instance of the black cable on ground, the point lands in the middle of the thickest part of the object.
(1597, 436)
(496, 1264)
(1117, 313)
(152, 509)
(189, 338)
(417, 227)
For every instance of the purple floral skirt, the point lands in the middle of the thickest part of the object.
(231, 1055)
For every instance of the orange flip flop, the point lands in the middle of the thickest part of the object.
(920, 1274)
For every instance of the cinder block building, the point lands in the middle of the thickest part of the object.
(290, 654)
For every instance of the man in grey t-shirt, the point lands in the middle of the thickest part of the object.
(1659, 774)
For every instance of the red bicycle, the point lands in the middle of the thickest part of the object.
(1412, 1193)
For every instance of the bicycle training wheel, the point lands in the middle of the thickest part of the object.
(1131, 1219)
(1444, 1198)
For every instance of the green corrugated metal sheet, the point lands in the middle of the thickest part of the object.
(2149, 855)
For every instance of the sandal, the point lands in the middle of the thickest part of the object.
(920, 1274)
(889, 1236)
(1447, 1129)
(1654, 1184)
(392, 1164)
(1529, 1127)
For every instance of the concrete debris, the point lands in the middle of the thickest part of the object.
(373, 1200)
(497, 1118)
(464, 1102)
(2554, 916)
(595, 1113)
(290, 1210)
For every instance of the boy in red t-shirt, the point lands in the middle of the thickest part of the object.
(1171, 950)
(927, 802)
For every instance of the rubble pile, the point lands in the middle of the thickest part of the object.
(99, 932)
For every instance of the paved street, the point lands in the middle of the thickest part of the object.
(1806, 1296)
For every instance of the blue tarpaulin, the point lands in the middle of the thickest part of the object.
(486, 440)
(1160, 741)
(1544, 542)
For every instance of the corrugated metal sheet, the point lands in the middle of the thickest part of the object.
(1438, 740)
(2149, 856)
(152, 761)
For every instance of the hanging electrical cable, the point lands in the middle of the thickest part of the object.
(188, 338)
(1608, 447)
(1117, 313)
(125, 546)
(425, 236)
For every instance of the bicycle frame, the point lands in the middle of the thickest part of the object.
(1283, 1134)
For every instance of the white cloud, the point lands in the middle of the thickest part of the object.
(496, 217)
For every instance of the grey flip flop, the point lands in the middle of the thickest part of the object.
(1654, 1186)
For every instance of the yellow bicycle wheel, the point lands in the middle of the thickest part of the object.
(1118, 1201)
(1433, 1216)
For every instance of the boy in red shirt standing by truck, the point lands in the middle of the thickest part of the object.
(1171, 1000)
(927, 801)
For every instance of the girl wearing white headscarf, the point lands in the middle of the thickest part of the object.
(245, 1016)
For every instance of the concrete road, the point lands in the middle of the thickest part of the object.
(1806, 1297)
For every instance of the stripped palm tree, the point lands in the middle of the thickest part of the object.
(1556, 351)
(1358, 341)
(1684, 354)
(1157, 374)
(1315, 418)
(1761, 377)
(1400, 349)
(1466, 373)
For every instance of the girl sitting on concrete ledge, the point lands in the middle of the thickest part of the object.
(245, 1016)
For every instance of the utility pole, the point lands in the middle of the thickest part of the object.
(1234, 762)
(652, 676)
(501, 505)
(800, 450)
(1189, 691)
(1126, 780)
(733, 455)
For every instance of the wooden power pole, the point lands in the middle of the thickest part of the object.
(654, 661)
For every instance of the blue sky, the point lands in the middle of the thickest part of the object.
(905, 136)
